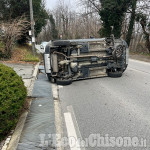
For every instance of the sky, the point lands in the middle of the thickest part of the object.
(50, 4)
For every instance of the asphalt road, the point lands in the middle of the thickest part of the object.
(110, 107)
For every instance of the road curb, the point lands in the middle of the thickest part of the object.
(35, 72)
(58, 114)
(34, 77)
(13, 142)
(17, 133)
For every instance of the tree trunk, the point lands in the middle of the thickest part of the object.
(147, 36)
(132, 21)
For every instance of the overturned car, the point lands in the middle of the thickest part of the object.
(69, 60)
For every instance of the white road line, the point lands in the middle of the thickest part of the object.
(139, 61)
(138, 70)
(71, 132)
(55, 92)
(70, 109)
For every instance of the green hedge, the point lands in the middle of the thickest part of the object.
(12, 97)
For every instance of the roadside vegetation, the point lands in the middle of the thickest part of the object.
(14, 29)
(15, 24)
(24, 54)
(12, 97)
(30, 58)
(20, 54)
(11, 10)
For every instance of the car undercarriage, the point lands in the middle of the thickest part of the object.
(69, 60)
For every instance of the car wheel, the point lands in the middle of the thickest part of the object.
(125, 68)
(49, 76)
(115, 74)
(63, 82)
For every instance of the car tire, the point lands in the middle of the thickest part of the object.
(64, 82)
(50, 78)
(125, 68)
(116, 74)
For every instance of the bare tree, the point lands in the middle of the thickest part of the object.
(71, 24)
(11, 32)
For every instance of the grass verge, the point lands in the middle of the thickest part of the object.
(23, 54)
(28, 56)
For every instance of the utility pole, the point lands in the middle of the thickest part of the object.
(32, 27)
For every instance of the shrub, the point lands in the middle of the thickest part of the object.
(2, 55)
(12, 98)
